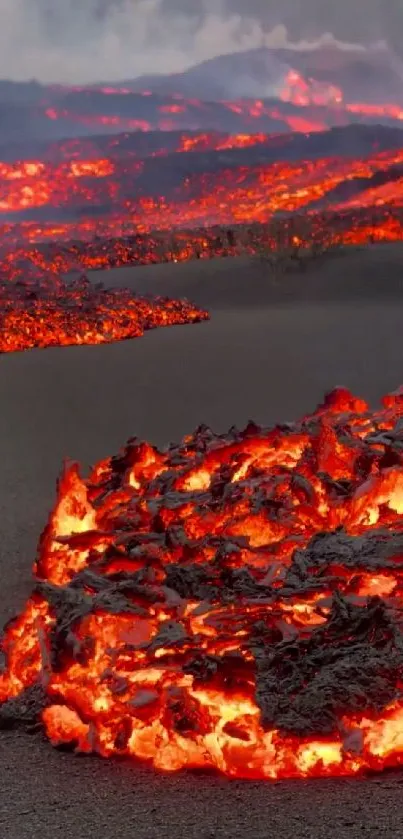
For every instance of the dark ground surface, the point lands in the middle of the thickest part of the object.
(266, 354)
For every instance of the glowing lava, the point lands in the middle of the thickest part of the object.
(126, 112)
(45, 311)
(308, 93)
(234, 601)
(303, 104)
(124, 194)
(298, 236)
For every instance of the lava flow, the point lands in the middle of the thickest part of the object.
(300, 236)
(146, 112)
(234, 601)
(306, 93)
(45, 311)
(302, 104)
(107, 194)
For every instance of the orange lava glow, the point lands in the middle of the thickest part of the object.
(198, 115)
(238, 195)
(316, 108)
(232, 602)
(33, 183)
(304, 104)
(208, 140)
(302, 232)
(46, 312)
(304, 93)
(307, 93)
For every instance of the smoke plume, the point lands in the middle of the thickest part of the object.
(78, 42)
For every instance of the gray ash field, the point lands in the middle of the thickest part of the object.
(270, 351)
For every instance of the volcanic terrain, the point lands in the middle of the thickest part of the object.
(277, 346)
(224, 592)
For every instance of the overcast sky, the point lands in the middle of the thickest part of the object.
(347, 19)
(85, 40)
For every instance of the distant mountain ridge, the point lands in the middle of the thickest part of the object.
(372, 76)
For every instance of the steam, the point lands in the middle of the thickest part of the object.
(278, 38)
(71, 42)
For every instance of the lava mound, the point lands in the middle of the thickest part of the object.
(231, 602)
(46, 311)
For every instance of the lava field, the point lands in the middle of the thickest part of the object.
(174, 178)
(40, 309)
(301, 104)
(147, 197)
(237, 180)
(48, 312)
(232, 602)
(85, 219)
(300, 237)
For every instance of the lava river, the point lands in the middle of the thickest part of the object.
(233, 601)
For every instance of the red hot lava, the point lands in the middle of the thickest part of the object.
(238, 195)
(234, 601)
(304, 104)
(46, 311)
(302, 235)
(178, 112)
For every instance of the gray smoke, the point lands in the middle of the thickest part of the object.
(361, 21)
(78, 41)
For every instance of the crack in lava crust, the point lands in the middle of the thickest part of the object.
(232, 601)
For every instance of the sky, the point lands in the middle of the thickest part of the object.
(359, 20)
(78, 41)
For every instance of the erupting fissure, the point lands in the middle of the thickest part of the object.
(233, 601)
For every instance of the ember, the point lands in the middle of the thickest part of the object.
(45, 311)
(232, 602)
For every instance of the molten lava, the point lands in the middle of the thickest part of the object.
(234, 601)
(301, 101)
(114, 111)
(298, 236)
(45, 311)
(106, 195)
(308, 93)
(304, 93)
